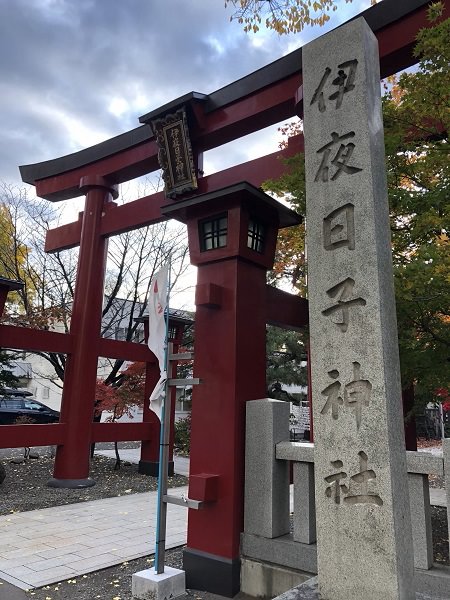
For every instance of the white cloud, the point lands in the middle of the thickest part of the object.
(75, 72)
(118, 106)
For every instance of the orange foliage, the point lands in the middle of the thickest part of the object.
(120, 399)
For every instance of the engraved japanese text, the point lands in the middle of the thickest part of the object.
(355, 395)
(339, 161)
(344, 81)
(361, 487)
(343, 293)
(339, 228)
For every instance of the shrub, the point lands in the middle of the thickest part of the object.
(182, 441)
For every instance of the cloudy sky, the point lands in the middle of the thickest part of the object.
(76, 72)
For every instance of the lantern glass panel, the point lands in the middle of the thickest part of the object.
(256, 235)
(213, 233)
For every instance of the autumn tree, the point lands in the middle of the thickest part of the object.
(15, 254)
(46, 301)
(283, 16)
(416, 117)
(417, 125)
(122, 397)
(14, 257)
(290, 256)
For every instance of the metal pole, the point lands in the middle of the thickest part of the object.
(161, 516)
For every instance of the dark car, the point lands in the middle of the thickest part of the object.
(18, 406)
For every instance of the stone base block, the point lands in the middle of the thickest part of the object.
(433, 583)
(262, 580)
(309, 591)
(148, 467)
(305, 591)
(211, 573)
(282, 551)
(72, 484)
(149, 585)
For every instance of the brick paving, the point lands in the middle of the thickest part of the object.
(41, 547)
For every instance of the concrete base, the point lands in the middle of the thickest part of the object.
(282, 551)
(148, 585)
(434, 582)
(309, 591)
(211, 573)
(262, 580)
(74, 484)
(148, 467)
(305, 591)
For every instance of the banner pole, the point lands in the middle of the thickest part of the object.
(163, 468)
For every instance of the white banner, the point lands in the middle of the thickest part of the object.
(157, 304)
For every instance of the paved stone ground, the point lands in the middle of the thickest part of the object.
(40, 547)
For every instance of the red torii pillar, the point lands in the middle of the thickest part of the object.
(149, 460)
(72, 459)
(232, 238)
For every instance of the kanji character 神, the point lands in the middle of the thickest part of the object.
(334, 400)
(357, 393)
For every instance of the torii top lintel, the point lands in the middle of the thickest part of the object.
(258, 100)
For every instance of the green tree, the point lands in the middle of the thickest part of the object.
(416, 117)
(7, 379)
(417, 120)
(286, 356)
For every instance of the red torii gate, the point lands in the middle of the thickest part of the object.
(265, 97)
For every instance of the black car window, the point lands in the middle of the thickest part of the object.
(11, 403)
(31, 405)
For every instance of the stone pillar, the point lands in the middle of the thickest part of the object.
(363, 523)
(266, 478)
(304, 503)
(77, 409)
(419, 493)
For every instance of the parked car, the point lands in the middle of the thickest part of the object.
(20, 406)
